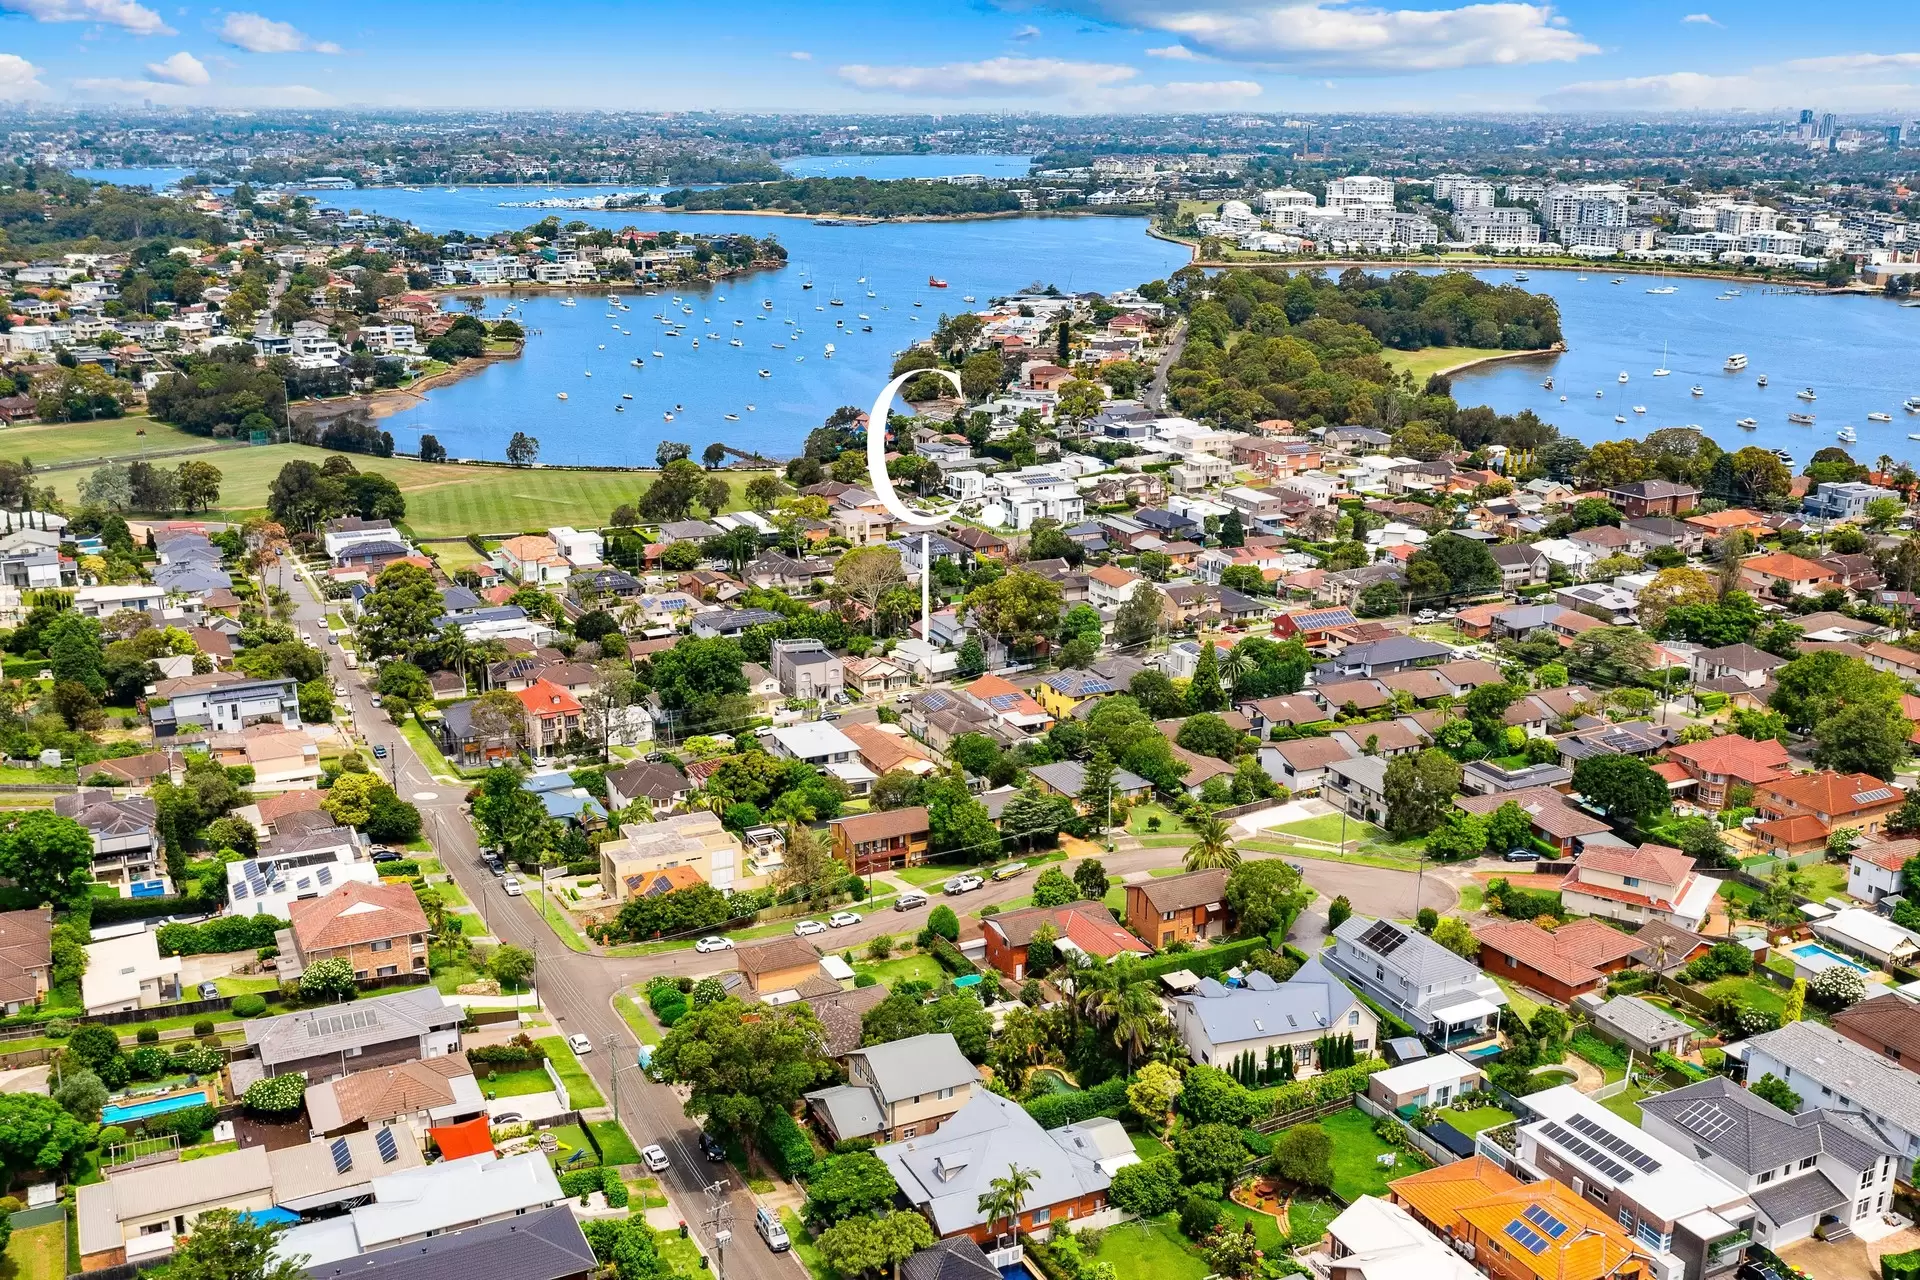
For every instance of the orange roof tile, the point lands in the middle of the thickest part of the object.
(1437, 1194)
(1792, 568)
(1836, 794)
(356, 913)
(544, 699)
(1735, 756)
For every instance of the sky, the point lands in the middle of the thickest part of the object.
(1075, 56)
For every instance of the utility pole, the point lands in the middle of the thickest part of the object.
(718, 1221)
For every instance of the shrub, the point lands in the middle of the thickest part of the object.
(1836, 988)
(276, 1095)
(1900, 1266)
(1328, 1086)
(1199, 1215)
(203, 1027)
(786, 1144)
(249, 1006)
(584, 1182)
(148, 1063)
(1150, 1188)
(1108, 1098)
(616, 1192)
(111, 1135)
(948, 957)
(1304, 1155)
(147, 1035)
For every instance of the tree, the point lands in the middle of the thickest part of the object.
(1459, 835)
(1456, 936)
(1419, 788)
(739, 1070)
(1151, 1094)
(1034, 815)
(1212, 845)
(511, 966)
(522, 450)
(1838, 987)
(1265, 895)
(1090, 879)
(1776, 1091)
(862, 1246)
(1671, 588)
(1760, 474)
(398, 615)
(81, 1093)
(1209, 1095)
(864, 575)
(1378, 600)
(1233, 1254)
(972, 659)
(1209, 1153)
(1466, 566)
(1625, 786)
(47, 857)
(37, 1133)
(1795, 1007)
(196, 486)
(1006, 1198)
(1339, 911)
(1304, 1156)
(943, 923)
(1019, 608)
(226, 1245)
(1208, 735)
(73, 650)
(847, 1186)
(1080, 400)
(1508, 827)
(1053, 889)
(328, 980)
(1204, 694)
(1138, 618)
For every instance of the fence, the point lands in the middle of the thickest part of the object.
(1419, 1141)
(1319, 1111)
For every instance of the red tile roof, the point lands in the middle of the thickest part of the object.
(1836, 794)
(1650, 862)
(1792, 568)
(1889, 855)
(357, 913)
(544, 699)
(1795, 830)
(1571, 954)
(1737, 757)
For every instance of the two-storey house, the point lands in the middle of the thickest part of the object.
(1827, 1070)
(378, 928)
(1716, 765)
(1651, 882)
(126, 833)
(1427, 986)
(1829, 800)
(897, 1091)
(819, 744)
(886, 840)
(1164, 910)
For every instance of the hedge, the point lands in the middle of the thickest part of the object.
(408, 867)
(120, 910)
(949, 957)
(1900, 1266)
(1328, 1086)
(786, 1144)
(1211, 963)
(1597, 1051)
(219, 935)
(507, 1055)
(1108, 1098)
(1682, 1067)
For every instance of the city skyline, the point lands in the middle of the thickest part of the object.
(1079, 56)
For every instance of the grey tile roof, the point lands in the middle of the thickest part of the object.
(955, 1258)
(1312, 1000)
(1798, 1198)
(1068, 776)
(331, 1028)
(1643, 1022)
(545, 1244)
(1857, 1076)
(851, 1111)
(1424, 961)
(916, 1065)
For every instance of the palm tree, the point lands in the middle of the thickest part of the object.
(1123, 1000)
(1006, 1197)
(1213, 845)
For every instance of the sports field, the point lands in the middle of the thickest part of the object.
(444, 500)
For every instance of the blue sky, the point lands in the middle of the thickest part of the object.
(858, 55)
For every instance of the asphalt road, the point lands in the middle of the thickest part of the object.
(578, 989)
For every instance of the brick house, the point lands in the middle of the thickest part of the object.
(1717, 764)
(779, 964)
(1831, 799)
(1570, 961)
(883, 841)
(380, 928)
(1654, 498)
(1188, 908)
(1556, 819)
(1781, 570)
(1086, 928)
(552, 716)
(1651, 882)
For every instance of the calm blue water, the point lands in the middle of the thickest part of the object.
(122, 1112)
(906, 166)
(1857, 353)
(155, 178)
(476, 416)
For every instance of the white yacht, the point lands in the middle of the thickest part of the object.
(1662, 371)
(1623, 375)
(1735, 363)
(1806, 393)
(1879, 417)
(1748, 423)
(1845, 435)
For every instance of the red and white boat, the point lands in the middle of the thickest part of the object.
(935, 282)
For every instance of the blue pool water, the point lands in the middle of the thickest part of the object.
(967, 980)
(1807, 950)
(122, 1112)
(1484, 1051)
(1015, 1271)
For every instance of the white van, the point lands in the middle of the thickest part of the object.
(768, 1225)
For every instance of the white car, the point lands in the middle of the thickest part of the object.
(376, 699)
(713, 944)
(807, 928)
(654, 1158)
(513, 886)
(841, 919)
(579, 1044)
(963, 884)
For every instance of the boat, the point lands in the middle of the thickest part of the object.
(749, 408)
(735, 342)
(696, 342)
(1665, 288)
(966, 297)
(1748, 423)
(658, 355)
(1845, 435)
(1735, 363)
(1762, 380)
(1520, 276)
(766, 373)
(836, 302)
(1662, 371)
(1699, 390)
(568, 302)
(1801, 419)
(626, 395)
(739, 321)
(1563, 399)
(1548, 384)
(828, 353)
(1784, 456)
(1806, 393)
(1615, 280)
(1580, 279)
(866, 328)
(667, 416)
(1911, 404)
(863, 316)
(806, 284)
(779, 346)
(637, 363)
(935, 282)
(1623, 375)
(1879, 417)
(1639, 408)
(872, 294)
(799, 359)
(1619, 417)
(767, 303)
(1598, 394)
(1912, 303)
(733, 417)
(603, 346)
(619, 408)
(562, 395)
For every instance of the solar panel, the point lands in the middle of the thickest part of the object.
(1383, 938)
(325, 874)
(389, 1150)
(1587, 1152)
(1705, 1119)
(342, 1155)
(240, 890)
(1614, 1143)
(1539, 1217)
(1527, 1238)
(1869, 797)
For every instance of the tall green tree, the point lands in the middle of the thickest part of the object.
(741, 1069)
(48, 857)
(1418, 790)
(1625, 786)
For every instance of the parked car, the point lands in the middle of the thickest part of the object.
(513, 886)
(841, 919)
(807, 928)
(375, 699)
(771, 1231)
(909, 900)
(963, 884)
(386, 855)
(654, 1158)
(1009, 871)
(713, 944)
(333, 637)
(494, 864)
(1521, 855)
(379, 752)
(579, 1043)
(710, 1147)
(209, 991)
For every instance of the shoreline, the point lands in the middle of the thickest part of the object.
(1537, 353)
(857, 220)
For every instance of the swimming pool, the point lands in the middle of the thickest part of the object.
(1813, 950)
(122, 1112)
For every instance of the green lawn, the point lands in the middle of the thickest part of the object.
(637, 1020)
(1169, 820)
(36, 1253)
(514, 1084)
(931, 873)
(423, 746)
(444, 500)
(1758, 992)
(1147, 1147)
(571, 1139)
(914, 968)
(1472, 1122)
(238, 986)
(556, 917)
(581, 1090)
(1517, 1001)
(1626, 1104)
(1332, 828)
(1307, 1218)
(1266, 1228)
(1389, 861)
(615, 1146)
(1427, 361)
(1150, 1249)
(1354, 1147)
(804, 1248)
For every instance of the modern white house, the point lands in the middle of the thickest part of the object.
(1829, 1071)
(824, 747)
(1219, 1023)
(1441, 995)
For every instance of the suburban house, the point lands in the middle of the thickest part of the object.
(127, 973)
(1357, 786)
(1742, 662)
(1783, 573)
(1855, 800)
(26, 957)
(1517, 1230)
(695, 842)
(1079, 928)
(660, 785)
(378, 928)
(1441, 995)
(1266, 1018)
(1556, 820)
(420, 1094)
(1433, 1081)
(1829, 1070)
(819, 744)
(944, 1175)
(1563, 963)
(881, 841)
(1187, 908)
(1069, 778)
(543, 1244)
(330, 1040)
(1887, 1024)
(551, 715)
(806, 668)
(1877, 869)
(222, 702)
(782, 965)
(1645, 1028)
(1716, 764)
(1634, 885)
(1301, 764)
(1653, 498)
(1693, 1221)
(1375, 1239)
(1822, 1167)
(897, 1091)
(126, 833)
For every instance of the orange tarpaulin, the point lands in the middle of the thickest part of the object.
(468, 1138)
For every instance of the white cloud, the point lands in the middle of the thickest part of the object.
(1178, 52)
(1704, 19)
(1851, 62)
(1028, 32)
(18, 78)
(1090, 85)
(1679, 90)
(801, 55)
(1762, 87)
(1336, 35)
(181, 68)
(172, 94)
(125, 14)
(257, 34)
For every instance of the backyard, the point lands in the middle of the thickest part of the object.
(1356, 1150)
(1150, 1249)
(913, 968)
(36, 1253)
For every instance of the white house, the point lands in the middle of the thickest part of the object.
(1218, 1023)
(128, 973)
(1874, 871)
